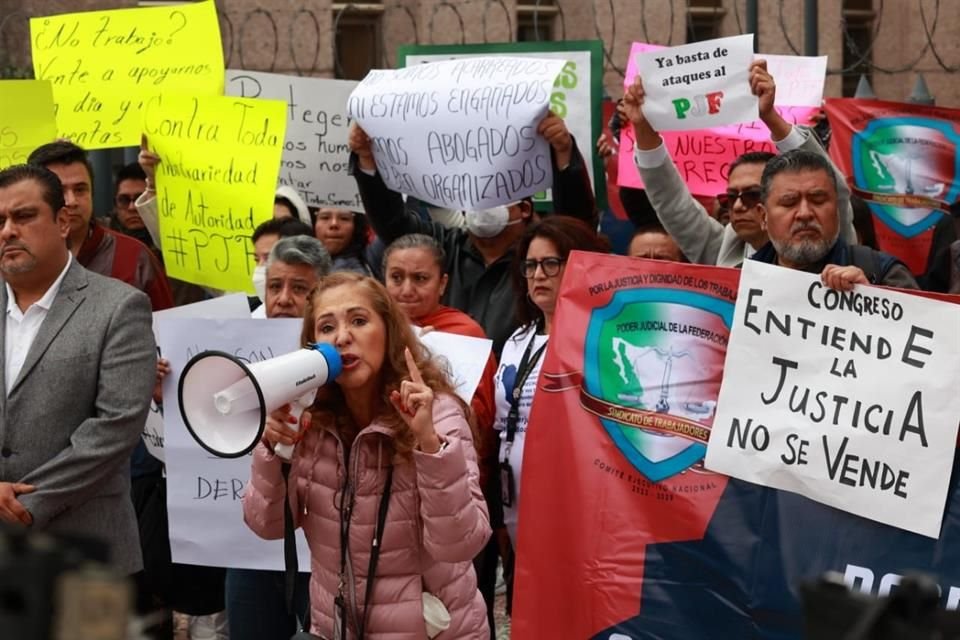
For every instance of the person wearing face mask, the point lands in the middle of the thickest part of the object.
(264, 238)
(478, 257)
(702, 238)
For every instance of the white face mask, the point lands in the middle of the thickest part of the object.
(487, 223)
(260, 281)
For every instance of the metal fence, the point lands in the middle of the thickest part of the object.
(304, 35)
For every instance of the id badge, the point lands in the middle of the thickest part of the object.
(507, 490)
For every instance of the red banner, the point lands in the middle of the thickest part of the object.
(617, 435)
(902, 159)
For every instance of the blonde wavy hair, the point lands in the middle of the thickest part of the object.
(330, 404)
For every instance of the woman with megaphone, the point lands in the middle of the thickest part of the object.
(383, 479)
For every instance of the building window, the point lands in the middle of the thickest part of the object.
(358, 39)
(703, 19)
(536, 21)
(858, 17)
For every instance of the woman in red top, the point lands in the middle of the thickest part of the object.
(413, 273)
(414, 276)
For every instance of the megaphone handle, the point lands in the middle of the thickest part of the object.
(298, 406)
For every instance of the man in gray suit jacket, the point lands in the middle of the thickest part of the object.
(79, 365)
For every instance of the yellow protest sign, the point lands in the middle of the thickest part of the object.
(26, 119)
(103, 65)
(219, 161)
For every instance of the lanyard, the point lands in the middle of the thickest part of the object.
(527, 363)
(346, 512)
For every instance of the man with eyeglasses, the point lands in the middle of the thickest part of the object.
(96, 247)
(703, 239)
(129, 185)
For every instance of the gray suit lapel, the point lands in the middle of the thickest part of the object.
(69, 297)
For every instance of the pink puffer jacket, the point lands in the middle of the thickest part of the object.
(436, 523)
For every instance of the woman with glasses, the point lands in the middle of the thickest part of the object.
(540, 260)
(344, 234)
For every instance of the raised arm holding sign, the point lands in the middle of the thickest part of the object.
(699, 85)
(462, 133)
(703, 239)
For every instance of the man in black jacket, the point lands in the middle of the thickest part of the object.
(479, 258)
(799, 214)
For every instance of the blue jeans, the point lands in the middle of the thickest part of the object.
(257, 606)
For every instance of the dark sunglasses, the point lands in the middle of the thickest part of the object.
(749, 197)
(550, 266)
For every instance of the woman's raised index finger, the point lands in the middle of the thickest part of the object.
(412, 366)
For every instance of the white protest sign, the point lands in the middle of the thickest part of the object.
(572, 97)
(232, 306)
(799, 79)
(315, 151)
(466, 355)
(700, 85)
(204, 492)
(462, 133)
(847, 398)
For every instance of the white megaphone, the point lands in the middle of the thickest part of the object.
(225, 402)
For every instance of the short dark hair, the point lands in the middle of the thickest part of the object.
(652, 227)
(418, 241)
(282, 227)
(132, 171)
(793, 162)
(48, 181)
(636, 204)
(61, 152)
(568, 234)
(751, 157)
(657, 228)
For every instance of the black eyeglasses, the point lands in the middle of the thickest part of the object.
(749, 197)
(550, 266)
(124, 201)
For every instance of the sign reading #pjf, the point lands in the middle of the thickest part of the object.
(104, 65)
(699, 85)
(221, 156)
(460, 134)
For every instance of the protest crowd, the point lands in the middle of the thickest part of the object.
(407, 494)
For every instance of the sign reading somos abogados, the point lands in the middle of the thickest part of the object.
(848, 398)
(576, 97)
(460, 134)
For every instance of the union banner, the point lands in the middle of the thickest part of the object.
(902, 160)
(623, 534)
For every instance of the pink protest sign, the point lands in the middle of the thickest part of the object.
(703, 156)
